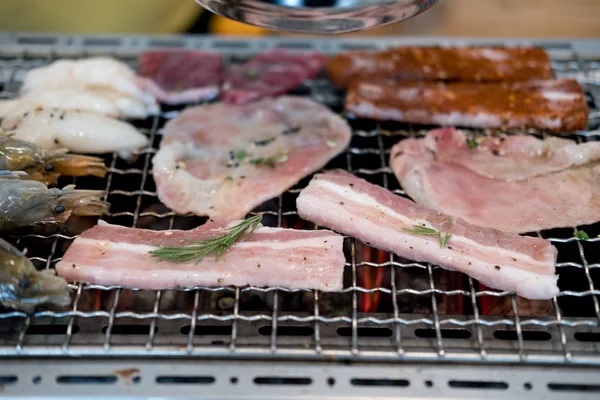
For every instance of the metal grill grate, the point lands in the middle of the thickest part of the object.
(414, 311)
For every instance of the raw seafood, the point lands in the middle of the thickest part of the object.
(271, 73)
(509, 157)
(181, 76)
(69, 98)
(473, 64)
(223, 160)
(24, 202)
(100, 76)
(557, 105)
(78, 131)
(46, 165)
(376, 216)
(559, 196)
(115, 255)
(23, 287)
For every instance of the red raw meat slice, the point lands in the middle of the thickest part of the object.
(269, 74)
(181, 76)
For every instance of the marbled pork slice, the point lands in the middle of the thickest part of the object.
(222, 160)
(510, 157)
(565, 198)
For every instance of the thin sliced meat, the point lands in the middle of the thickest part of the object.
(269, 74)
(556, 105)
(223, 160)
(181, 76)
(566, 198)
(115, 255)
(376, 216)
(509, 158)
(473, 64)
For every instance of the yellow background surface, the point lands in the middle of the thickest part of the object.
(98, 16)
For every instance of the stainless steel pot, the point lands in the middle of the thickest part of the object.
(317, 16)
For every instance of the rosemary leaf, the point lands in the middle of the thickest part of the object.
(581, 235)
(445, 240)
(422, 230)
(200, 249)
(451, 221)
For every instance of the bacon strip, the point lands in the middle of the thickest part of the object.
(376, 216)
(115, 255)
(475, 64)
(556, 105)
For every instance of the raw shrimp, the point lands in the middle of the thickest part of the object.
(25, 202)
(23, 287)
(46, 165)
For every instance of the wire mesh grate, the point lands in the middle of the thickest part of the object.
(390, 308)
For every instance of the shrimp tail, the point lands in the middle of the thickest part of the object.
(82, 202)
(77, 165)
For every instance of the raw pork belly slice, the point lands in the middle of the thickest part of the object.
(115, 255)
(376, 216)
(564, 198)
(269, 74)
(557, 105)
(475, 64)
(181, 76)
(514, 157)
(223, 160)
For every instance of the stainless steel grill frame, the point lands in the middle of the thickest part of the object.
(90, 334)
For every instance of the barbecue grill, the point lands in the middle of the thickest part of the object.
(398, 328)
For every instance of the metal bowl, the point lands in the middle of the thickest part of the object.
(317, 16)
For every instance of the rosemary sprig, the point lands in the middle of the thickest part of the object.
(423, 230)
(200, 249)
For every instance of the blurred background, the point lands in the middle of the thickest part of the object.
(483, 18)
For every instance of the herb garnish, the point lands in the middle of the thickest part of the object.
(450, 220)
(582, 235)
(290, 130)
(445, 240)
(240, 155)
(264, 162)
(200, 249)
(422, 230)
(269, 161)
(472, 144)
(252, 73)
(265, 142)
